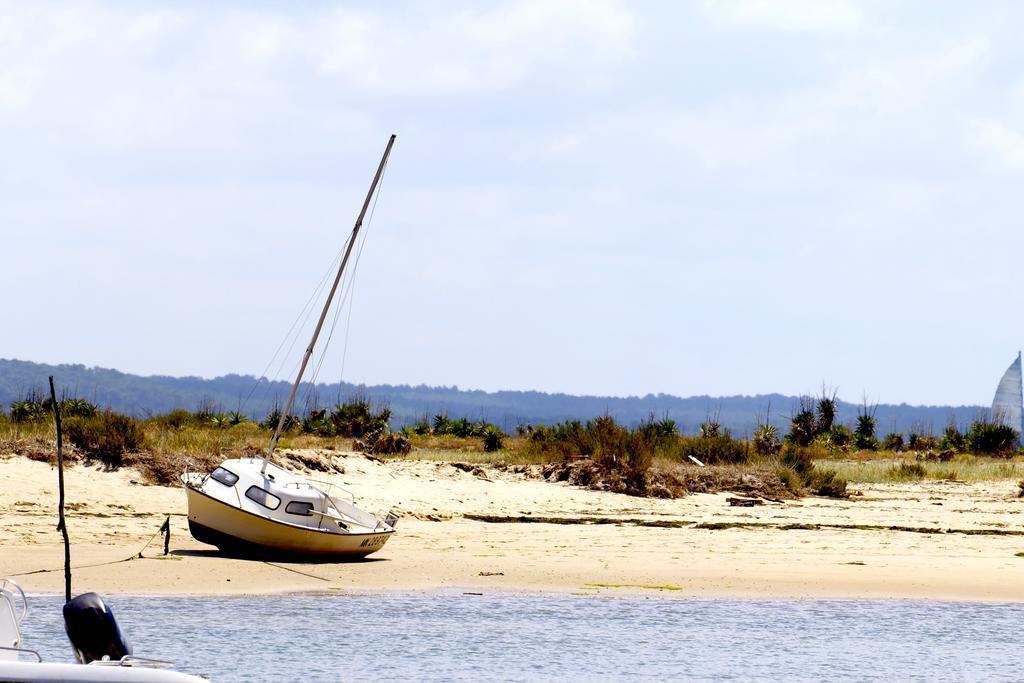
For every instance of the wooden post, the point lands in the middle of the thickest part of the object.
(166, 528)
(61, 526)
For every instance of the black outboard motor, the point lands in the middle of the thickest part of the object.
(93, 631)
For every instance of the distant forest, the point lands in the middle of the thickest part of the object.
(145, 396)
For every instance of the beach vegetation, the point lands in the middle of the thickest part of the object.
(991, 438)
(966, 468)
(820, 481)
(385, 442)
(494, 439)
(917, 441)
(826, 412)
(864, 434)
(766, 439)
(953, 440)
(907, 471)
(893, 442)
(27, 410)
(106, 437)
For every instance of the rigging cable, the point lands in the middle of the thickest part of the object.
(349, 291)
(303, 315)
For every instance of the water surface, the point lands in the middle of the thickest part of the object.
(515, 637)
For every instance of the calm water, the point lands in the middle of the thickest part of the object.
(450, 636)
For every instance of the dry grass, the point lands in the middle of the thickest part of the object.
(961, 468)
(478, 457)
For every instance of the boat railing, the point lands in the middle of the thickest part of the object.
(194, 479)
(19, 650)
(324, 487)
(133, 660)
(6, 593)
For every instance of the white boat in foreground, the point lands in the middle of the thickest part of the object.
(251, 506)
(101, 650)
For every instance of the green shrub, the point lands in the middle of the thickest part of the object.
(825, 482)
(893, 442)
(274, 416)
(659, 431)
(907, 470)
(76, 407)
(28, 410)
(638, 457)
(864, 433)
(990, 438)
(712, 448)
(802, 426)
(317, 422)
(953, 440)
(826, 414)
(921, 442)
(493, 439)
(355, 419)
(766, 440)
(790, 479)
(840, 436)
(176, 419)
(822, 482)
(798, 459)
(384, 443)
(106, 437)
(564, 438)
(710, 429)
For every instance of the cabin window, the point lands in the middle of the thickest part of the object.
(224, 476)
(263, 497)
(299, 508)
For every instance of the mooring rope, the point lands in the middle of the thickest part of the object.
(165, 529)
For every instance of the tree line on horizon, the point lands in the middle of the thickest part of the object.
(143, 397)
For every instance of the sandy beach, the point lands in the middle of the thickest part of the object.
(497, 530)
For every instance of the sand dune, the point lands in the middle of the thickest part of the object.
(941, 540)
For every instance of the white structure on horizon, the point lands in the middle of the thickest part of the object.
(1008, 403)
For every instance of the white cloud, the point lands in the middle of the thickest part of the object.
(810, 16)
(472, 51)
(998, 141)
(768, 134)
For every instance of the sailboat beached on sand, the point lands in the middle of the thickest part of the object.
(252, 506)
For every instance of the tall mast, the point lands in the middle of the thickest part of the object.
(327, 305)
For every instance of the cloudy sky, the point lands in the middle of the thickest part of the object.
(714, 197)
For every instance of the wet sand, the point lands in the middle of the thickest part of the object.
(934, 540)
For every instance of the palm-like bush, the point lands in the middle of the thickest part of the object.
(356, 419)
(826, 414)
(864, 433)
(953, 440)
(710, 429)
(77, 407)
(921, 442)
(991, 438)
(493, 439)
(893, 442)
(766, 440)
(802, 427)
(27, 410)
(839, 436)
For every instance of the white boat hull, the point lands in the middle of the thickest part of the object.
(236, 530)
(51, 672)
